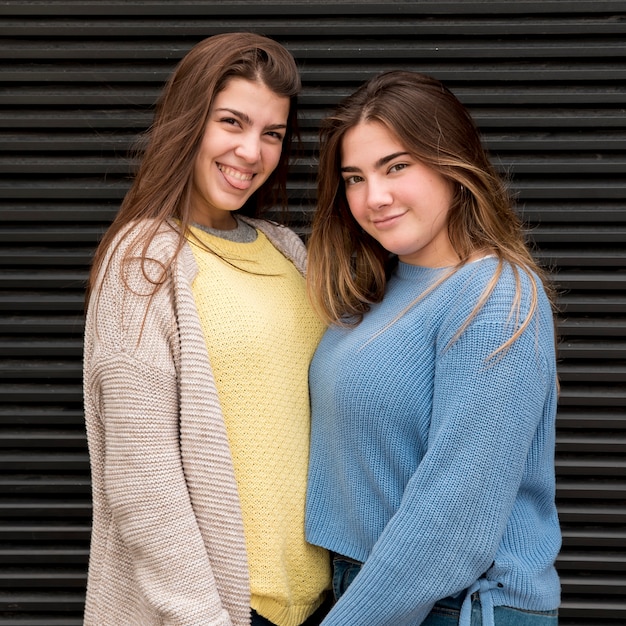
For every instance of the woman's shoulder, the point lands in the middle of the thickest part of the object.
(505, 276)
(140, 251)
(508, 285)
(146, 237)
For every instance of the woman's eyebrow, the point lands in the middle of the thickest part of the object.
(382, 161)
(244, 117)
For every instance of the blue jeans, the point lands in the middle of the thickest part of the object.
(446, 612)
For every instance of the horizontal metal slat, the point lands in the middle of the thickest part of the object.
(600, 466)
(460, 74)
(550, 131)
(64, 210)
(426, 8)
(111, 95)
(76, 212)
(341, 73)
(33, 508)
(53, 256)
(45, 279)
(609, 561)
(592, 515)
(606, 536)
(63, 234)
(64, 165)
(571, 489)
(44, 461)
(106, 188)
(29, 619)
(605, 256)
(585, 395)
(579, 233)
(42, 392)
(44, 324)
(599, 349)
(592, 372)
(596, 420)
(49, 415)
(25, 369)
(598, 304)
(560, 141)
(31, 577)
(570, 190)
(517, 140)
(509, 164)
(596, 281)
(315, 49)
(27, 484)
(54, 601)
(42, 438)
(49, 347)
(326, 25)
(548, 117)
(36, 141)
(70, 189)
(115, 95)
(530, 95)
(615, 327)
(103, 119)
(570, 212)
(607, 585)
(580, 164)
(38, 301)
(586, 443)
(51, 530)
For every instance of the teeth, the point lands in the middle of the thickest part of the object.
(229, 171)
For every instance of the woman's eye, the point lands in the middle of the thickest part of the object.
(397, 167)
(352, 180)
(275, 135)
(230, 120)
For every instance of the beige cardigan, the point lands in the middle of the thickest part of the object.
(167, 543)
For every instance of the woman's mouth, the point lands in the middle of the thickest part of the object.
(387, 221)
(236, 178)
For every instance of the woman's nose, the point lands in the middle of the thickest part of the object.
(378, 194)
(249, 148)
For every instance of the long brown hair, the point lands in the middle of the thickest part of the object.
(161, 188)
(347, 268)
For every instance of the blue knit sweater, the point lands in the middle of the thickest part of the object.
(430, 463)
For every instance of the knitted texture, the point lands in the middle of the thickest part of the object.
(431, 463)
(260, 360)
(167, 543)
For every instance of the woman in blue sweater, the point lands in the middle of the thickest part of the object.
(434, 390)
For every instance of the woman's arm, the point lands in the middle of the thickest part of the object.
(134, 398)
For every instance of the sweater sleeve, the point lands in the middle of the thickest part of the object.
(455, 507)
(133, 391)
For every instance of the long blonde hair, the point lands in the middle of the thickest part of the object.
(161, 188)
(347, 268)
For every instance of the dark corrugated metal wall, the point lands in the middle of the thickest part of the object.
(546, 82)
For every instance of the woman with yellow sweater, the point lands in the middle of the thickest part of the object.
(197, 346)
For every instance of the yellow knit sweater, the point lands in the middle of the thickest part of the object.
(261, 334)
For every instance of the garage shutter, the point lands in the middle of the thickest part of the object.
(546, 82)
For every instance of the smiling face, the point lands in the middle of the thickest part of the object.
(241, 147)
(399, 201)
